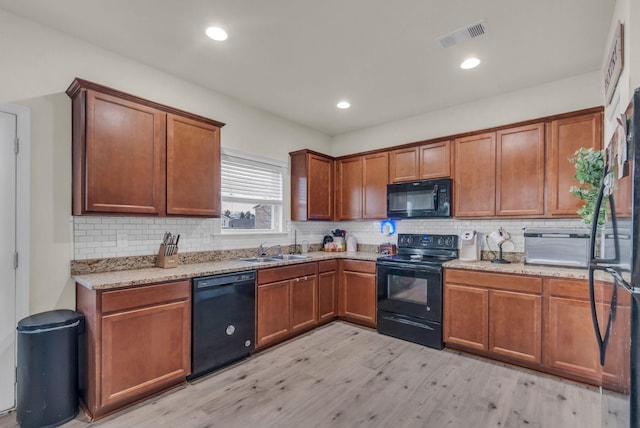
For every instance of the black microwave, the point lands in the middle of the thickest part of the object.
(419, 199)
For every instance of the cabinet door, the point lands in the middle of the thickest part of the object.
(475, 179)
(144, 351)
(124, 169)
(403, 165)
(466, 316)
(520, 171)
(570, 345)
(273, 312)
(358, 297)
(327, 295)
(320, 188)
(615, 373)
(193, 167)
(567, 136)
(304, 303)
(349, 188)
(515, 326)
(375, 175)
(435, 160)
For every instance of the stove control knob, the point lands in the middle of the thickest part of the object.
(409, 240)
(440, 242)
(448, 242)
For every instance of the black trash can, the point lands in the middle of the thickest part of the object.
(47, 377)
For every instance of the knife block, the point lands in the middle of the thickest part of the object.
(165, 261)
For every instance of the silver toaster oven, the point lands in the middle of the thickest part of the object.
(556, 247)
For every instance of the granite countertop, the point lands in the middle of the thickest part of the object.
(133, 277)
(520, 268)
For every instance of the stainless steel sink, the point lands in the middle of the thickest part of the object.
(273, 259)
(286, 257)
(262, 259)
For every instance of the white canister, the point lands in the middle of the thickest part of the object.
(352, 243)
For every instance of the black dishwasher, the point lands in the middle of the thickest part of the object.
(223, 320)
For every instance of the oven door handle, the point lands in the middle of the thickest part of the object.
(408, 322)
(411, 267)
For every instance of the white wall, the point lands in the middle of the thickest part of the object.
(562, 96)
(38, 64)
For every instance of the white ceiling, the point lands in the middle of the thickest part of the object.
(298, 58)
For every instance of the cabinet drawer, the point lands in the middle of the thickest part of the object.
(327, 265)
(527, 284)
(569, 288)
(120, 300)
(286, 272)
(359, 266)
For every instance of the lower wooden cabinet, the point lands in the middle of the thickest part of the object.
(497, 314)
(541, 323)
(515, 325)
(287, 302)
(138, 343)
(358, 296)
(466, 320)
(327, 290)
(273, 312)
(296, 298)
(570, 345)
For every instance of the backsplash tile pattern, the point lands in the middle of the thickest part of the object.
(106, 237)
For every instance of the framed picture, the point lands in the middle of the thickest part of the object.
(615, 63)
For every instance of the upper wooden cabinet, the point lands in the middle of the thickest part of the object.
(474, 184)
(403, 165)
(193, 167)
(520, 171)
(312, 189)
(375, 169)
(361, 183)
(420, 163)
(349, 188)
(564, 137)
(134, 156)
(500, 173)
(435, 160)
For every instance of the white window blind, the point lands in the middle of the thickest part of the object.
(251, 193)
(243, 179)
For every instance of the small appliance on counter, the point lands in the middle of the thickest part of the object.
(556, 247)
(470, 246)
(388, 249)
(352, 243)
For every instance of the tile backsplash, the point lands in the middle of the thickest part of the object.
(105, 237)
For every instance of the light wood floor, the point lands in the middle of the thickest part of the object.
(342, 375)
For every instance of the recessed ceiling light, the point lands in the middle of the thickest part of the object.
(217, 33)
(470, 63)
(343, 105)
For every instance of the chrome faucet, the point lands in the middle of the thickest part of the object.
(262, 251)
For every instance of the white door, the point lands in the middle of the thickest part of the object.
(8, 135)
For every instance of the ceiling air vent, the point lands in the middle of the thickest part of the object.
(460, 35)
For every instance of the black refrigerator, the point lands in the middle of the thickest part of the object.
(614, 274)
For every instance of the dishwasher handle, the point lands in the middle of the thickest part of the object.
(224, 280)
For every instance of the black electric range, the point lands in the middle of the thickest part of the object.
(410, 288)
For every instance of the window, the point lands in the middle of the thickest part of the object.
(251, 193)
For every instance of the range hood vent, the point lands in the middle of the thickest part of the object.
(460, 35)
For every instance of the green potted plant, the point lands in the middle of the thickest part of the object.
(589, 166)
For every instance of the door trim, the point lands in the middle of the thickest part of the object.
(23, 193)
